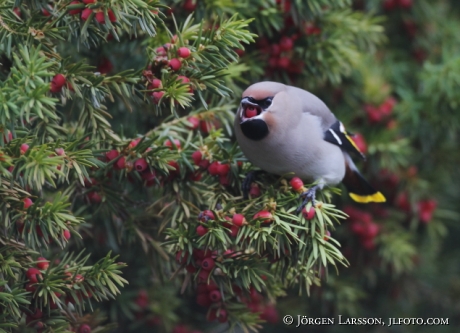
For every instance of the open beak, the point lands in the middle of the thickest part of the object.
(249, 110)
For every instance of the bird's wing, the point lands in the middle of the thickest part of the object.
(338, 135)
(311, 104)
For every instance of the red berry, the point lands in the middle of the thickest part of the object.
(8, 138)
(190, 5)
(197, 157)
(264, 215)
(206, 215)
(250, 112)
(406, 4)
(234, 229)
(358, 139)
(426, 209)
(215, 296)
(194, 123)
(387, 107)
(328, 234)
(373, 114)
(111, 155)
(311, 29)
(111, 15)
(94, 197)
(201, 231)
(213, 169)
(59, 151)
(42, 263)
(84, 329)
(176, 171)
(238, 220)
(77, 10)
(140, 164)
(27, 203)
(169, 144)
(283, 62)
(254, 191)
(161, 51)
(32, 274)
(155, 84)
(368, 243)
(222, 316)
(55, 88)
(24, 148)
(181, 259)
(183, 52)
(286, 43)
(59, 80)
(211, 286)
(86, 13)
(223, 169)
(207, 264)
(157, 96)
(198, 254)
(310, 214)
(183, 79)
(296, 183)
(37, 314)
(270, 314)
(100, 17)
(30, 287)
(371, 230)
(175, 64)
(66, 233)
(207, 126)
(142, 299)
(46, 12)
(203, 300)
(148, 175)
(390, 4)
(17, 11)
(121, 163)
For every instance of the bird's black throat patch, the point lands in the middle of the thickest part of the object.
(255, 129)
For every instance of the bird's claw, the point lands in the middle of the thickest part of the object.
(246, 184)
(308, 196)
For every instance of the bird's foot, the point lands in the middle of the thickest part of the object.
(250, 178)
(308, 196)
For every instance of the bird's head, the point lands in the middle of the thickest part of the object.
(261, 109)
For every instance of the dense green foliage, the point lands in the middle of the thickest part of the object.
(119, 166)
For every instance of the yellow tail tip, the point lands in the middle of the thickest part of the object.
(376, 197)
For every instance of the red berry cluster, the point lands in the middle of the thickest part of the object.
(280, 54)
(390, 5)
(86, 12)
(222, 170)
(361, 224)
(381, 113)
(424, 208)
(190, 5)
(165, 58)
(57, 83)
(256, 303)
(124, 162)
(34, 276)
(204, 125)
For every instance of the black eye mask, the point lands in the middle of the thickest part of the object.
(263, 103)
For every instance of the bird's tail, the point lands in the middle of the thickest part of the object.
(358, 187)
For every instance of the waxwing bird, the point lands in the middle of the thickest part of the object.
(283, 129)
